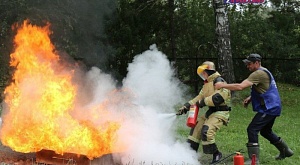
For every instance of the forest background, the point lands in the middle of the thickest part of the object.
(109, 33)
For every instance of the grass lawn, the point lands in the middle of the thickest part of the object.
(233, 137)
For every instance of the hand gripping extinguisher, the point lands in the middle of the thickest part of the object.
(192, 116)
(238, 159)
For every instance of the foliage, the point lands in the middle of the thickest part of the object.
(271, 32)
(108, 34)
(136, 26)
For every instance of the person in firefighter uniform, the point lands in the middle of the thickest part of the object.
(215, 117)
(266, 102)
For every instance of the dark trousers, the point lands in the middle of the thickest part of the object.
(262, 123)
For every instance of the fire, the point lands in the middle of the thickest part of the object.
(40, 101)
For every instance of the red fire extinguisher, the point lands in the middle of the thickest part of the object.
(192, 116)
(253, 159)
(238, 159)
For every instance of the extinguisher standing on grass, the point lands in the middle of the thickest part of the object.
(205, 128)
(238, 159)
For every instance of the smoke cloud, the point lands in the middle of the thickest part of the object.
(146, 103)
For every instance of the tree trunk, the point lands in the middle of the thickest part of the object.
(171, 24)
(223, 41)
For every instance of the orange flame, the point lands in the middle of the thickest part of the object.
(40, 99)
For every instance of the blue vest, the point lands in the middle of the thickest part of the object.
(271, 98)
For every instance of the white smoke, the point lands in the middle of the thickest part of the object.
(148, 97)
(152, 78)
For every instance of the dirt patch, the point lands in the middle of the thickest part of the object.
(8, 156)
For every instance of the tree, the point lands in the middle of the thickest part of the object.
(171, 26)
(223, 41)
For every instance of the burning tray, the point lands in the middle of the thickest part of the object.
(50, 157)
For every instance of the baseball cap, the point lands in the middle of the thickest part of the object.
(252, 58)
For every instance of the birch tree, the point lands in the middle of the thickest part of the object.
(223, 41)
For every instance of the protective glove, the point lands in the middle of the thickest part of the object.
(200, 103)
(184, 109)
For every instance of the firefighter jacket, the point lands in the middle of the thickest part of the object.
(207, 93)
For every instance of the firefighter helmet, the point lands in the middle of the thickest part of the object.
(207, 65)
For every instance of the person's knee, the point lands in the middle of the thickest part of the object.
(250, 130)
(204, 131)
(264, 133)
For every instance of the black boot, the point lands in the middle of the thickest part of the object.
(285, 151)
(217, 156)
(253, 149)
(212, 149)
(193, 145)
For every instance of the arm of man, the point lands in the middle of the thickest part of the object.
(234, 87)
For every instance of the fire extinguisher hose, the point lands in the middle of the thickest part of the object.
(221, 160)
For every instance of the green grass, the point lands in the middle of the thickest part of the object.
(233, 137)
